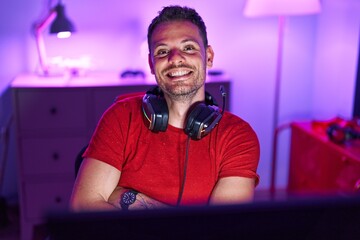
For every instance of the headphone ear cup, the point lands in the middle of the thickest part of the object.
(191, 124)
(340, 135)
(155, 112)
(201, 120)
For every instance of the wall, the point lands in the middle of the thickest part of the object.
(14, 32)
(336, 59)
(319, 60)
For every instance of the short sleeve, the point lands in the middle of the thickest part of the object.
(241, 151)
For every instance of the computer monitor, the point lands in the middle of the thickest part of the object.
(322, 218)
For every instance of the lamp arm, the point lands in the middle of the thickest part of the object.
(39, 28)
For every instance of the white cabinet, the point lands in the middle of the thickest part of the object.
(55, 118)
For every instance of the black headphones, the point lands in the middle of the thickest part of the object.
(340, 135)
(200, 120)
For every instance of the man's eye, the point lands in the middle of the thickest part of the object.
(189, 48)
(161, 52)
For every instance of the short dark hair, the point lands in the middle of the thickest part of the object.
(176, 13)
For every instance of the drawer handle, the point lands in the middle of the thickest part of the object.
(53, 111)
(56, 156)
(58, 199)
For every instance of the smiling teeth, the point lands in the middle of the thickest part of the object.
(178, 73)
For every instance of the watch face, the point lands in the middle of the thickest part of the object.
(128, 198)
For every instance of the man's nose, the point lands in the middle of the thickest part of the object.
(176, 57)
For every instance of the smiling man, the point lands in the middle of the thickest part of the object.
(188, 152)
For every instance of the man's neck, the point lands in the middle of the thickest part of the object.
(178, 110)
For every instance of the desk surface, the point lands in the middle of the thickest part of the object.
(91, 79)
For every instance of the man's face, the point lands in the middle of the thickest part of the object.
(178, 58)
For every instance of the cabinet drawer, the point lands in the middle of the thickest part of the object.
(50, 156)
(46, 196)
(52, 109)
(104, 97)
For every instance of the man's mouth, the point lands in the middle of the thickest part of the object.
(178, 73)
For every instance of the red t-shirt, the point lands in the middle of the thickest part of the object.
(152, 163)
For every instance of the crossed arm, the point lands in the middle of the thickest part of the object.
(96, 188)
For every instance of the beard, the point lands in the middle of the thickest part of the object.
(182, 90)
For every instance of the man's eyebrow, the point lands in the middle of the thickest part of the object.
(190, 40)
(159, 45)
(187, 40)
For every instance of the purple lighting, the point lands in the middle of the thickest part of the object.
(319, 64)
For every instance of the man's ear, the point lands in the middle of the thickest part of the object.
(151, 65)
(209, 56)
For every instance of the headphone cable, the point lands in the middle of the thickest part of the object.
(182, 186)
(223, 94)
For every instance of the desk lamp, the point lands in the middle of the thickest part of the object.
(61, 26)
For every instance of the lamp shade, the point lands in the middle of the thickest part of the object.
(61, 22)
(259, 8)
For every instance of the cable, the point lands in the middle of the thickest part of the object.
(223, 94)
(182, 186)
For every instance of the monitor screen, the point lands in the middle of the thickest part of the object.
(324, 218)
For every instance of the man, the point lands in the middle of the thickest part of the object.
(127, 166)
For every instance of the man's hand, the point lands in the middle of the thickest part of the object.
(142, 201)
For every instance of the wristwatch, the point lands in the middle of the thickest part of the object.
(128, 198)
